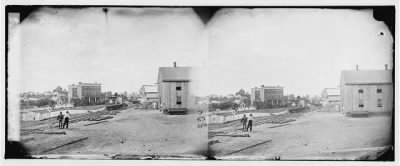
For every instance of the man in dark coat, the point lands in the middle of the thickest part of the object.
(60, 119)
(244, 122)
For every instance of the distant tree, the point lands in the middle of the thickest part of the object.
(241, 92)
(291, 97)
(245, 97)
(58, 89)
(44, 102)
(52, 104)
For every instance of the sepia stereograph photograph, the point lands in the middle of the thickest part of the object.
(243, 83)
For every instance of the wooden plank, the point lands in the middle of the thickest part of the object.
(95, 123)
(55, 132)
(233, 135)
(287, 121)
(239, 150)
(28, 139)
(279, 125)
(69, 143)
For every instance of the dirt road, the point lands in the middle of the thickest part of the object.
(313, 133)
(137, 132)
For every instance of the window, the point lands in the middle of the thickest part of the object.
(178, 95)
(257, 95)
(361, 104)
(379, 103)
(379, 91)
(74, 92)
(360, 91)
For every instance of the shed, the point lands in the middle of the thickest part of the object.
(174, 84)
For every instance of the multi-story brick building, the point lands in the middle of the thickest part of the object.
(272, 95)
(88, 92)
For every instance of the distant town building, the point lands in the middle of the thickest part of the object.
(115, 99)
(60, 96)
(149, 93)
(272, 95)
(88, 92)
(366, 90)
(331, 95)
(174, 89)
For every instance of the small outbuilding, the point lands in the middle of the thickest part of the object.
(174, 84)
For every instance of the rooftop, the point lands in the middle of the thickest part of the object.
(87, 84)
(269, 87)
(366, 76)
(150, 88)
(167, 74)
(332, 91)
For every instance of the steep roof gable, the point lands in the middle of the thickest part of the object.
(367, 76)
(174, 74)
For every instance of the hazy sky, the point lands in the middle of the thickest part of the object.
(303, 50)
(122, 50)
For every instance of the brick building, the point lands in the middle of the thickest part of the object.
(272, 95)
(88, 92)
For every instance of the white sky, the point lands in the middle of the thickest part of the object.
(122, 51)
(303, 50)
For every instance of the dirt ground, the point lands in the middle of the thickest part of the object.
(131, 132)
(313, 136)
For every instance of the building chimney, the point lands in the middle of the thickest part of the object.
(357, 67)
(174, 64)
(386, 67)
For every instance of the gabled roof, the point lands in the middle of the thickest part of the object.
(332, 91)
(366, 76)
(150, 88)
(174, 74)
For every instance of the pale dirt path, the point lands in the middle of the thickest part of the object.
(316, 132)
(141, 132)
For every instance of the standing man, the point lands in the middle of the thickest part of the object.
(250, 124)
(60, 119)
(66, 119)
(244, 122)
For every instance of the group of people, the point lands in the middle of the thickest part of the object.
(247, 122)
(63, 120)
